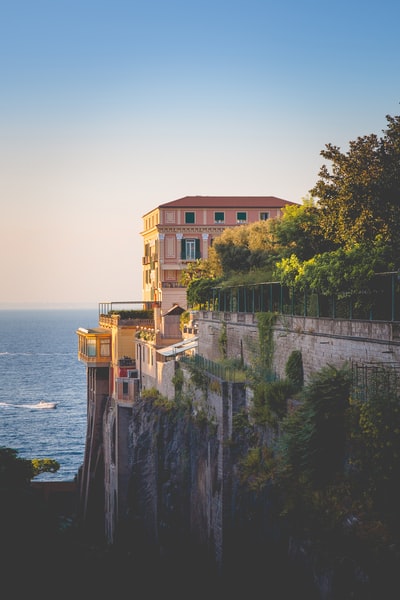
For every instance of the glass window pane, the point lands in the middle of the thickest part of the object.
(189, 217)
(190, 249)
(91, 347)
(104, 347)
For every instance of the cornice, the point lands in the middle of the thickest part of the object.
(192, 229)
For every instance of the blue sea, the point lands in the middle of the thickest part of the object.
(39, 363)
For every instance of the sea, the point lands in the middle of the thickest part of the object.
(39, 364)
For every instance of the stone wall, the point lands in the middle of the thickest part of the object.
(321, 341)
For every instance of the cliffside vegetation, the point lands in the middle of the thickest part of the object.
(343, 233)
(328, 458)
(331, 465)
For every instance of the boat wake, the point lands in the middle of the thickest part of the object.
(40, 405)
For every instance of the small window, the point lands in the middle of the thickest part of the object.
(125, 388)
(264, 216)
(241, 217)
(219, 217)
(189, 217)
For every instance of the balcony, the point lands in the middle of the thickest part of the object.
(127, 389)
(94, 346)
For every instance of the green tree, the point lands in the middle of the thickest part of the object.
(199, 269)
(199, 291)
(375, 448)
(199, 278)
(299, 232)
(294, 370)
(44, 465)
(310, 455)
(15, 472)
(359, 195)
(343, 271)
(28, 528)
(248, 247)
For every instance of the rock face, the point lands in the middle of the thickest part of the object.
(187, 515)
(174, 493)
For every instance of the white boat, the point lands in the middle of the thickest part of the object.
(43, 404)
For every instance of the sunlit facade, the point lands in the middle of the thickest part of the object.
(182, 231)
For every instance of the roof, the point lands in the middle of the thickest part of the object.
(93, 330)
(174, 310)
(187, 344)
(226, 202)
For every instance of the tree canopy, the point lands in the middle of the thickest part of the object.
(345, 231)
(359, 196)
(17, 472)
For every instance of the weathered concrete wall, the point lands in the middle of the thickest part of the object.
(165, 374)
(321, 341)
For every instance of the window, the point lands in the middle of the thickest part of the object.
(264, 216)
(219, 217)
(189, 217)
(190, 249)
(125, 388)
(105, 347)
(91, 347)
(241, 217)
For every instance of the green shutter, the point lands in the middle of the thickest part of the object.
(183, 249)
(197, 242)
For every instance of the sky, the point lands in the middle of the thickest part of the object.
(110, 108)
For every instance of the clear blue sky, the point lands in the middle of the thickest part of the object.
(110, 108)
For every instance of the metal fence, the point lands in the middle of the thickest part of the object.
(379, 301)
(375, 379)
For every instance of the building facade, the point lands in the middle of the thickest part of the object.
(182, 231)
(108, 352)
(135, 346)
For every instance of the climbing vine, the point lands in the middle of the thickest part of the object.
(265, 322)
(223, 341)
(294, 369)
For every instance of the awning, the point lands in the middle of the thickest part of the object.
(180, 347)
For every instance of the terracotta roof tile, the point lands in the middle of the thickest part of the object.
(227, 202)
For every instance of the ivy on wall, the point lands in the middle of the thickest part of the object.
(265, 323)
(223, 341)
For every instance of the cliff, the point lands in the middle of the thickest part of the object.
(188, 517)
(178, 501)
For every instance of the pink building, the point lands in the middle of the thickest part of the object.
(181, 231)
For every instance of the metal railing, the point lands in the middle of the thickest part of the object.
(379, 301)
